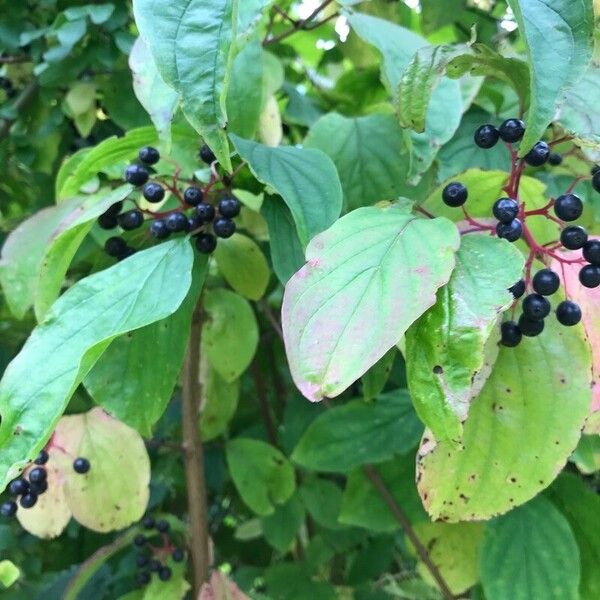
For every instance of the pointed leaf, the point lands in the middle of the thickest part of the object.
(323, 500)
(445, 348)
(532, 390)
(374, 380)
(367, 279)
(281, 527)
(74, 334)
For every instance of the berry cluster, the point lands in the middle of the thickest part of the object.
(150, 558)
(195, 214)
(33, 483)
(512, 215)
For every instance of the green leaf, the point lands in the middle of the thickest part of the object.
(369, 155)
(243, 265)
(262, 474)
(287, 254)
(245, 95)
(281, 527)
(374, 272)
(305, 178)
(158, 99)
(483, 61)
(74, 334)
(374, 380)
(532, 390)
(191, 41)
(122, 382)
(363, 506)
(64, 243)
(559, 39)
(543, 561)
(230, 333)
(445, 348)
(587, 454)
(323, 500)
(581, 507)
(81, 97)
(436, 14)
(9, 573)
(359, 432)
(77, 170)
(249, 15)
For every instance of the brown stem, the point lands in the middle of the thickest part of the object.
(379, 485)
(263, 402)
(193, 456)
(11, 60)
(27, 95)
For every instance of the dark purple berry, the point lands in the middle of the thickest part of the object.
(511, 130)
(206, 212)
(42, 458)
(229, 207)
(143, 578)
(141, 560)
(178, 555)
(115, 209)
(530, 327)
(115, 246)
(518, 289)
(595, 169)
(194, 222)
(162, 526)
(158, 230)
(207, 155)
(535, 306)
(193, 196)
(38, 475)
(511, 334)
(589, 276)
(568, 313)
(224, 228)
(149, 155)
(81, 465)
(148, 522)
(505, 210)
(573, 237)
(176, 222)
(154, 192)
(555, 159)
(107, 221)
(596, 181)
(206, 243)
(39, 488)
(28, 500)
(546, 282)
(510, 231)
(132, 219)
(139, 540)
(136, 175)
(568, 207)
(455, 194)
(591, 251)
(8, 508)
(164, 573)
(486, 136)
(18, 487)
(538, 155)
(155, 565)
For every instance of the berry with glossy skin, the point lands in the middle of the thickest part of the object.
(573, 237)
(155, 565)
(158, 230)
(115, 246)
(38, 475)
(538, 155)
(518, 289)
(589, 276)
(154, 192)
(229, 207)
(554, 159)
(141, 560)
(510, 231)
(194, 222)
(206, 212)
(206, 243)
(193, 196)
(139, 540)
(128, 252)
(28, 500)
(164, 573)
(455, 194)
(81, 465)
(207, 155)
(486, 136)
(107, 221)
(149, 155)
(591, 251)
(39, 488)
(8, 508)
(546, 282)
(42, 458)
(131, 219)
(568, 313)
(148, 522)
(143, 578)
(176, 222)
(568, 207)
(535, 306)
(505, 209)
(162, 526)
(224, 228)
(136, 175)
(596, 181)
(115, 209)
(511, 334)
(511, 130)
(530, 327)
(18, 487)
(178, 555)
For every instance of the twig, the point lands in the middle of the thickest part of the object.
(272, 318)
(263, 402)
(11, 60)
(194, 456)
(402, 519)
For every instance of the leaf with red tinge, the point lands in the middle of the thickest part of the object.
(367, 279)
(220, 588)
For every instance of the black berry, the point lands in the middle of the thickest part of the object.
(8, 508)
(591, 251)
(141, 560)
(148, 522)
(42, 458)
(143, 578)
(206, 243)
(510, 231)
(546, 282)
(162, 526)
(136, 175)
(518, 289)
(149, 155)
(568, 313)
(177, 222)
(194, 222)
(28, 500)
(164, 573)
(535, 306)
(193, 196)
(178, 555)
(154, 192)
(511, 334)
(596, 181)
(486, 136)
(230, 207)
(511, 130)
(538, 155)
(39, 487)
(224, 228)
(139, 540)
(589, 276)
(107, 221)
(530, 327)
(505, 209)
(595, 169)
(38, 475)
(132, 219)
(568, 207)
(555, 159)
(127, 253)
(159, 230)
(155, 565)
(115, 209)
(115, 246)
(573, 237)
(207, 155)
(18, 487)
(455, 194)
(206, 212)
(81, 465)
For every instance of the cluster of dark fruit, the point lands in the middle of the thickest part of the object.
(34, 483)
(196, 216)
(145, 558)
(7, 85)
(567, 207)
